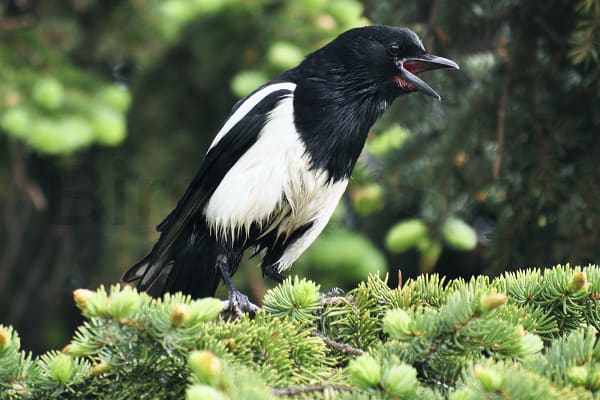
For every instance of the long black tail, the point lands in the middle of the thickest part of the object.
(190, 266)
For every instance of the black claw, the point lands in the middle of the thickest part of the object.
(240, 304)
(272, 272)
(334, 292)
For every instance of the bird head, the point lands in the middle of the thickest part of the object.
(385, 59)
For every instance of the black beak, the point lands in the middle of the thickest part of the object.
(409, 67)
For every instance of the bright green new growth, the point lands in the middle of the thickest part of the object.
(299, 300)
(526, 335)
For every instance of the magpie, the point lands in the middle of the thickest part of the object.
(276, 170)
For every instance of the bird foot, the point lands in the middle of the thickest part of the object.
(272, 272)
(239, 304)
(334, 292)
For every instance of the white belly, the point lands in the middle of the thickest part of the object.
(272, 183)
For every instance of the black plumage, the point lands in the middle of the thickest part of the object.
(274, 173)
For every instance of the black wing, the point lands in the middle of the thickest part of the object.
(217, 162)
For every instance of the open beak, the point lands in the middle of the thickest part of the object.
(409, 67)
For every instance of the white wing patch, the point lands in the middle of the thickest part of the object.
(252, 190)
(273, 183)
(248, 105)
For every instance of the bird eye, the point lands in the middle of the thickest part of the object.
(394, 49)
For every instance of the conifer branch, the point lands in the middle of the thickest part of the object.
(295, 391)
(331, 301)
(343, 348)
(470, 338)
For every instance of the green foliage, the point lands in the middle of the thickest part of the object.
(584, 40)
(413, 232)
(459, 235)
(512, 147)
(511, 151)
(525, 335)
(301, 26)
(405, 235)
(298, 300)
(57, 110)
(340, 251)
(107, 160)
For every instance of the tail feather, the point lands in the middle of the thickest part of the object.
(190, 267)
(137, 271)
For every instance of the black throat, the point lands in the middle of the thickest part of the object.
(333, 114)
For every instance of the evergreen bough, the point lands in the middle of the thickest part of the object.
(525, 335)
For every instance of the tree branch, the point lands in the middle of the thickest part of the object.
(432, 25)
(294, 391)
(550, 31)
(12, 23)
(343, 348)
(500, 118)
(17, 213)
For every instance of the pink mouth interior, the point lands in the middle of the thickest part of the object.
(413, 67)
(402, 84)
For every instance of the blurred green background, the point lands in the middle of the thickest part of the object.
(107, 108)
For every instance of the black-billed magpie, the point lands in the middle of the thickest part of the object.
(276, 170)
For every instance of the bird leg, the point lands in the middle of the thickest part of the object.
(238, 302)
(272, 272)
